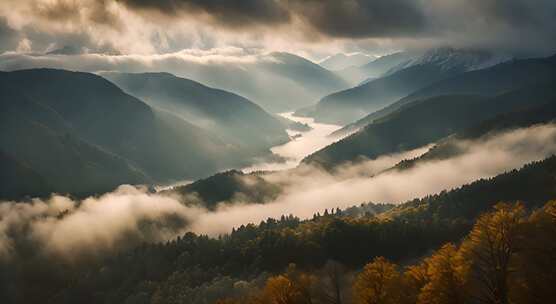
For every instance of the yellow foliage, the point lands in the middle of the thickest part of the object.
(491, 248)
(378, 283)
(446, 274)
(292, 288)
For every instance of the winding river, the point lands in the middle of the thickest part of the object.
(301, 145)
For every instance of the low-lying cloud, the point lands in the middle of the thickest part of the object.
(68, 228)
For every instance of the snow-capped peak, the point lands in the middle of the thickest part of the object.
(454, 59)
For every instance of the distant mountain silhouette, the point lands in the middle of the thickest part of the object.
(487, 82)
(84, 135)
(374, 69)
(342, 61)
(278, 82)
(233, 118)
(406, 74)
(427, 121)
(349, 105)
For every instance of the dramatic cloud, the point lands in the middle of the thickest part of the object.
(129, 216)
(314, 27)
(362, 18)
(235, 13)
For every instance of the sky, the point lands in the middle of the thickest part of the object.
(310, 28)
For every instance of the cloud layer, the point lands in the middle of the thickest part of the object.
(69, 229)
(314, 27)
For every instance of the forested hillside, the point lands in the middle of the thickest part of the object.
(228, 186)
(495, 80)
(85, 135)
(277, 152)
(194, 266)
(407, 73)
(426, 121)
(498, 261)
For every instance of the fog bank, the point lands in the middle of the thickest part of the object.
(68, 228)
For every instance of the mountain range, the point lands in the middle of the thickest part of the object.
(374, 69)
(226, 115)
(81, 134)
(406, 74)
(428, 120)
(295, 82)
(342, 61)
(486, 82)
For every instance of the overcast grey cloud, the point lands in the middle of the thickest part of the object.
(526, 28)
(9, 38)
(236, 13)
(361, 18)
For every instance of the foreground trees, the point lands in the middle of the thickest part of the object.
(445, 277)
(508, 257)
(378, 283)
(491, 248)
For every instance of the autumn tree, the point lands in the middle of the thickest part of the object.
(378, 283)
(413, 280)
(491, 248)
(331, 283)
(445, 277)
(293, 287)
(536, 259)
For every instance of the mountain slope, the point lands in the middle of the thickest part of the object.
(38, 143)
(426, 121)
(19, 180)
(88, 134)
(232, 117)
(408, 76)
(313, 80)
(448, 147)
(178, 267)
(489, 82)
(449, 58)
(530, 184)
(349, 105)
(374, 69)
(296, 82)
(342, 61)
(229, 186)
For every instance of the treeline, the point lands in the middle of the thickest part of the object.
(401, 234)
(508, 257)
(165, 272)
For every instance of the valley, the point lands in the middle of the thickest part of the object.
(300, 146)
(277, 152)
